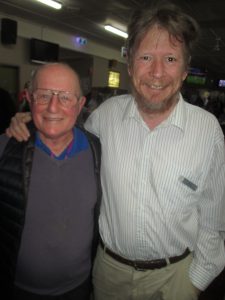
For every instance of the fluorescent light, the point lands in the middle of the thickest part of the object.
(51, 3)
(116, 31)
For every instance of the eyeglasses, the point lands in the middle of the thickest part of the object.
(44, 96)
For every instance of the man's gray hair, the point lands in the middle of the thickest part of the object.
(38, 69)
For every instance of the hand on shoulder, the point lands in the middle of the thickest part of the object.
(18, 128)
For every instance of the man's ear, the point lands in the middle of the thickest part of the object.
(129, 70)
(81, 102)
(185, 74)
(28, 96)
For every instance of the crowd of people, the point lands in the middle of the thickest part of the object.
(210, 100)
(162, 172)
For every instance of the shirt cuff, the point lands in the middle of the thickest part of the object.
(200, 277)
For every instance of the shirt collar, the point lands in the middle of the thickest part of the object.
(177, 117)
(78, 144)
(131, 110)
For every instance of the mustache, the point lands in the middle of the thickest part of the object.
(154, 84)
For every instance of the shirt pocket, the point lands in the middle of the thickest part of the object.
(180, 187)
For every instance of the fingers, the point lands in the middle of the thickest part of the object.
(18, 128)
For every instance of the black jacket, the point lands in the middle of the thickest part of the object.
(15, 172)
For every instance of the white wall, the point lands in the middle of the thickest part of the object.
(18, 54)
(27, 29)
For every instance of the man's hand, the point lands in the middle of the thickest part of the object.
(18, 128)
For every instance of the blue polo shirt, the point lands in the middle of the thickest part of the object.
(78, 144)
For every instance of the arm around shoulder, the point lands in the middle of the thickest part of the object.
(18, 128)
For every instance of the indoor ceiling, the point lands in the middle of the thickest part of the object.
(88, 17)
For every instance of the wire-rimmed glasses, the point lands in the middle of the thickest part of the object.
(44, 96)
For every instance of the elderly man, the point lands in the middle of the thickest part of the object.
(48, 195)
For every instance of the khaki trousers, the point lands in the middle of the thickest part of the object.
(116, 281)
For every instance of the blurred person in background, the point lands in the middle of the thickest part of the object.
(7, 109)
(23, 103)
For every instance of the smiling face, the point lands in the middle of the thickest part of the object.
(157, 71)
(54, 121)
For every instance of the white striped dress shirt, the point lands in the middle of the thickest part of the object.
(163, 189)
